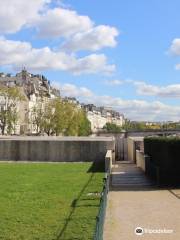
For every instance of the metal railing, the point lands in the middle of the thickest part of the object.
(100, 219)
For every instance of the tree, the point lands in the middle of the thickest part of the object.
(37, 116)
(70, 120)
(111, 127)
(64, 117)
(57, 117)
(11, 97)
(84, 125)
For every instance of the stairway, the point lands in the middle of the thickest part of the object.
(126, 175)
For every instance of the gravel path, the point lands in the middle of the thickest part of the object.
(151, 209)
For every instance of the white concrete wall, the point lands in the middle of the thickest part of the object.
(140, 160)
(109, 159)
(132, 147)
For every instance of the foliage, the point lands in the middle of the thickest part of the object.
(134, 125)
(143, 126)
(171, 126)
(84, 125)
(57, 117)
(111, 127)
(37, 117)
(50, 116)
(164, 158)
(49, 201)
(9, 112)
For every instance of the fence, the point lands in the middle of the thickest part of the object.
(103, 200)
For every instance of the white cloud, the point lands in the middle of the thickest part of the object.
(17, 53)
(114, 82)
(57, 22)
(93, 63)
(177, 66)
(175, 47)
(169, 91)
(80, 31)
(93, 39)
(133, 109)
(14, 14)
(70, 90)
(175, 50)
(60, 22)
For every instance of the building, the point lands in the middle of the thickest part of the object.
(99, 116)
(36, 90)
(72, 100)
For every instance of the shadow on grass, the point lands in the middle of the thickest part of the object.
(94, 168)
(97, 167)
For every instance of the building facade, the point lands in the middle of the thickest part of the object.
(36, 90)
(100, 116)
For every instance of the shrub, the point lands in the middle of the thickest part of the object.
(164, 160)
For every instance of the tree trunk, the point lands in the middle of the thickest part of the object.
(3, 129)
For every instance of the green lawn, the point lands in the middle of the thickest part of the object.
(48, 201)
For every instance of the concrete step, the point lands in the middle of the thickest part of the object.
(140, 181)
(126, 181)
(130, 173)
(132, 187)
(140, 185)
(131, 169)
(129, 176)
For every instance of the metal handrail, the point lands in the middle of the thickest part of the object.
(100, 219)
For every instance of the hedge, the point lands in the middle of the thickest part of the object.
(164, 161)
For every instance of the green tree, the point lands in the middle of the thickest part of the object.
(84, 124)
(11, 96)
(36, 117)
(57, 117)
(64, 117)
(111, 127)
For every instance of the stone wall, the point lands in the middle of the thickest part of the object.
(55, 149)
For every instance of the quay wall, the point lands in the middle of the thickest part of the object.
(55, 149)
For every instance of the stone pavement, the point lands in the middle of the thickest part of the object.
(133, 206)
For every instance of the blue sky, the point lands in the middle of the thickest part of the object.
(123, 54)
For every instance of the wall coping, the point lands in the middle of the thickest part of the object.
(61, 139)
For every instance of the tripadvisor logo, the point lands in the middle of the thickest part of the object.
(139, 231)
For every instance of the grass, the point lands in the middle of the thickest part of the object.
(48, 201)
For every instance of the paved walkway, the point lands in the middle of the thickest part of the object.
(145, 207)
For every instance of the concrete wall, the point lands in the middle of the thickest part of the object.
(132, 143)
(140, 160)
(55, 149)
(120, 143)
(108, 161)
(131, 150)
